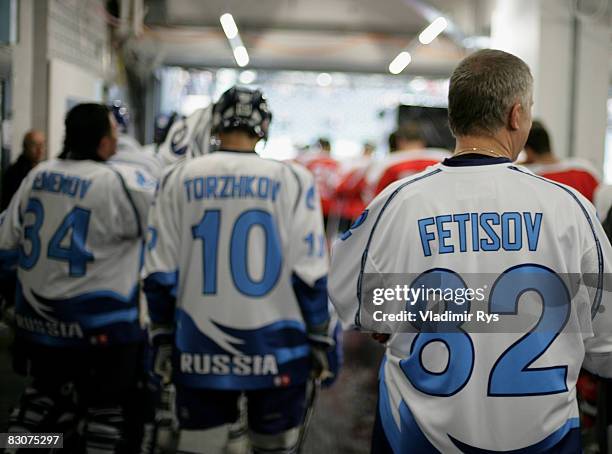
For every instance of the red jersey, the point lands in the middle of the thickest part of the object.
(350, 201)
(575, 173)
(325, 170)
(401, 164)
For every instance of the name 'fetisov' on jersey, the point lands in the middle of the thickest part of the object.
(237, 259)
(483, 392)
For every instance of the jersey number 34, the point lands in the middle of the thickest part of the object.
(67, 244)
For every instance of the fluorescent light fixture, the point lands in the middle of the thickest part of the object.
(231, 31)
(241, 55)
(400, 62)
(324, 79)
(229, 25)
(247, 77)
(433, 30)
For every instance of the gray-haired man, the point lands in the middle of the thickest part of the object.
(489, 362)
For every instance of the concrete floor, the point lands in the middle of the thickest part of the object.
(344, 414)
(343, 417)
(11, 385)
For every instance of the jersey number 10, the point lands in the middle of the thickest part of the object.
(208, 229)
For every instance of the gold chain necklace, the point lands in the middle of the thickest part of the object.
(484, 151)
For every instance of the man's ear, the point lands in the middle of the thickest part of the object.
(514, 116)
(102, 147)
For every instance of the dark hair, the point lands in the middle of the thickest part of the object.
(483, 88)
(324, 143)
(409, 131)
(392, 141)
(538, 139)
(86, 125)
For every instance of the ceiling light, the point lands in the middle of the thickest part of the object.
(433, 30)
(229, 25)
(241, 55)
(324, 79)
(400, 62)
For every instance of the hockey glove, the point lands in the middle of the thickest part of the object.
(381, 338)
(320, 344)
(161, 339)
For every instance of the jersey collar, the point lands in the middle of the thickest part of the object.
(474, 159)
(225, 150)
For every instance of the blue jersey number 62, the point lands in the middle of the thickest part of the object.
(512, 374)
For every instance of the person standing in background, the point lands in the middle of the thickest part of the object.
(350, 189)
(325, 170)
(444, 386)
(129, 150)
(541, 159)
(34, 148)
(218, 329)
(408, 155)
(75, 228)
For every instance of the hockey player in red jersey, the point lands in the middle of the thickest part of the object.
(325, 170)
(409, 155)
(351, 186)
(576, 173)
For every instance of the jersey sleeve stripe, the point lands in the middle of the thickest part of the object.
(599, 290)
(312, 300)
(299, 185)
(130, 200)
(171, 170)
(364, 257)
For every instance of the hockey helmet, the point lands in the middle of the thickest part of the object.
(244, 109)
(121, 114)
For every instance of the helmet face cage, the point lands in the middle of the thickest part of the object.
(243, 109)
(121, 114)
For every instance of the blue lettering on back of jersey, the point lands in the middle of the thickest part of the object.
(231, 186)
(59, 183)
(509, 231)
(491, 243)
(533, 229)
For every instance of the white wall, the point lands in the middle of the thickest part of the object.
(22, 64)
(542, 33)
(552, 98)
(593, 81)
(62, 53)
(68, 85)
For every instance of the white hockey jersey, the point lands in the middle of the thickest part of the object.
(454, 389)
(187, 138)
(78, 228)
(132, 154)
(237, 259)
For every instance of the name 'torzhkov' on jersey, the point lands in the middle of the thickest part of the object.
(231, 186)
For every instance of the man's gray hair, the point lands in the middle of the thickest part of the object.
(483, 88)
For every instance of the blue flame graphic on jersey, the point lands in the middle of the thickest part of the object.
(93, 317)
(407, 436)
(273, 355)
